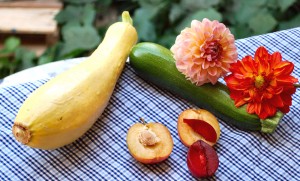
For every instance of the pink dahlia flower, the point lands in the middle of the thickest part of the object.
(204, 52)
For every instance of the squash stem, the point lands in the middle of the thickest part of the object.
(126, 17)
(297, 85)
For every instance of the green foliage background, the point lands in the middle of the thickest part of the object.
(157, 21)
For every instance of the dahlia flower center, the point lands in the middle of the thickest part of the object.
(259, 81)
(212, 50)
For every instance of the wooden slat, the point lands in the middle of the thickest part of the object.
(28, 20)
(32, 4)
(31, 21)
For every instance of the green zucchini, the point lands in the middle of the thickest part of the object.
(155, 64)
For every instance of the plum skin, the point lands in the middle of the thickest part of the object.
(202, 159)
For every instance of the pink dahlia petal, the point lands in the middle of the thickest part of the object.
(204, 52)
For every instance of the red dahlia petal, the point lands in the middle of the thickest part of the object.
(238, 98)
(276, 59)
(231, 81)
(267, 111)
(286, 95)
(263, 115)
(276, 101)
(286, 80)
(284, 109)
(239, 102)
(263, 65)
(260, 54)
(257, 108)
(250, 108)
(273, 83)
(248, 64)
(274, 90)
(283, 68)
(267, 95)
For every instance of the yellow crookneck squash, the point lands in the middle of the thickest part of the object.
(64, 108)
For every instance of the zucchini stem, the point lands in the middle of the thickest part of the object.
(126, 17)
(269, 125)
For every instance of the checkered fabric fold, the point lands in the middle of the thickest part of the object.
(102, 154)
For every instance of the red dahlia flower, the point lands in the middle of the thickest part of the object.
(264, 83)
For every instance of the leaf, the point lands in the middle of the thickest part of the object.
(167, 40)
(146, 31)
(295, 22)
(253, 3)
(44, 59)
(70, 13)
(175, 12)
(141, 14)
(4, 63)
(26, 57)
(247, 9)
(50, 55)
(244, 13)
(285, 4)
(73, 13)
(198, 4)
(70, 24)
(4, 67)
(262, 23)
(145, 17)
(104, 2)
(240, 31)
(88, 14)
(150, 3)
(74, 53)
(273, 4)
(142, 21)
(211, 14)
(11, 44)
(79, 37)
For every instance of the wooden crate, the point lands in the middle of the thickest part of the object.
(32, 21)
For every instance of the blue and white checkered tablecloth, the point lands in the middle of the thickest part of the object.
(102, 154)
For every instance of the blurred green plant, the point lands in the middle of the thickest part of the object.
(14, 58)
(78, 33)
(157, 21)
(244, 17)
